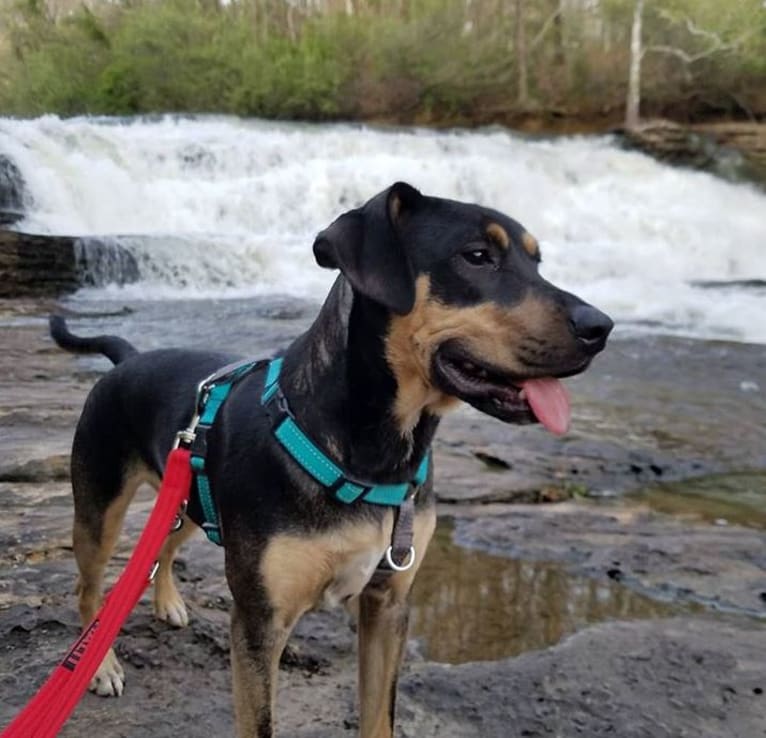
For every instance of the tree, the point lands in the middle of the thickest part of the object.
(633, 103)
(708, 43)
(522, 94)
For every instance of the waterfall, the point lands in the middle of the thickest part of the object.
(218, 206)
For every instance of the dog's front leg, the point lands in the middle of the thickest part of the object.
(257, 642)
(271, 589)
(383, 620)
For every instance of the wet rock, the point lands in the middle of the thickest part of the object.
(13, 192)
(32, 265)
(662, 678)
(748, 138)
(101, 261)
(665, 679)
(51, 469)
(492, 461)
(668, 559)
(735, 151)
(41, 266)
(659, 678)
(634, 423)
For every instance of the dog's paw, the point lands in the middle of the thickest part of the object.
(172, 610)
(109, 680)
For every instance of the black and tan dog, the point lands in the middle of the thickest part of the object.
(438, 301)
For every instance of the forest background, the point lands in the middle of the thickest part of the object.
(535, 64)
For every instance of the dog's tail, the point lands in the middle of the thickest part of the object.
(116, 349)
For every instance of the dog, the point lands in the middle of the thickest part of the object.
(437, 302)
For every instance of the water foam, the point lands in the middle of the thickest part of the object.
(233, 205)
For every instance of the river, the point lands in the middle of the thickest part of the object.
(218, 207)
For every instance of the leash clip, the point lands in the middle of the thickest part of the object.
(185, 437)
(400, 567)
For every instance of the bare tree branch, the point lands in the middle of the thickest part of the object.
(692, 27)
(549, 21)
(695, 30)
(717, 44)
(682, 55)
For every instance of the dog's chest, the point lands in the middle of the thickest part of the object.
(303, 572)
(351, 577)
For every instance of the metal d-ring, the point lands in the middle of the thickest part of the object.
(178, 523)
(400, 567)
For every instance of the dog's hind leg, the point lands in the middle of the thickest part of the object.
(168, 603)
(102, 496)
(382, 631)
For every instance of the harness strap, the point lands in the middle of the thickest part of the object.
(315, 462)
(211, 394)
(400, 554)
(401, 536)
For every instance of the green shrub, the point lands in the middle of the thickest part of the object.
(404, 60)
(279, 78)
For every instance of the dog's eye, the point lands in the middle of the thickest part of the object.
(477, 257)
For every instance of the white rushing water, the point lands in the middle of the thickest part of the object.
(232, 207)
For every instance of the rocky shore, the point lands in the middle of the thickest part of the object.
(35, 265)
(732, 150)
(649, 416)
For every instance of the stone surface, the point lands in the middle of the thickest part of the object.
(13, 192)
(673, 559)
(649, 409)
(734, 151)
(45, 266)
(665, 679)
(32, 266)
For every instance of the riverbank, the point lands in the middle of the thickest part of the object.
(416, 63)
(651, 410)
(733, 150)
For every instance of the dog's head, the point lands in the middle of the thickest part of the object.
(470, 316)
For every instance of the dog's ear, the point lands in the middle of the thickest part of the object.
(365, 245)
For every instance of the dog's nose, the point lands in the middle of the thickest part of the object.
(591, 326)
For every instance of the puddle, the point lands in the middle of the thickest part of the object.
(469, 605)
(738, 499)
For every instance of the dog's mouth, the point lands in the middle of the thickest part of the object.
(508, 397)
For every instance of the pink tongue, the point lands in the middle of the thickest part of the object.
(549, 401)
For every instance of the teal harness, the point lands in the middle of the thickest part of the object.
(212, 393)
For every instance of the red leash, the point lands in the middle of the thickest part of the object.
(53, 704)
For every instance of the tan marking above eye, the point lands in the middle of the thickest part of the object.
(499, 235)
(530, 244)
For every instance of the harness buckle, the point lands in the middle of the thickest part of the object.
(406, 566)
(282, 404)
